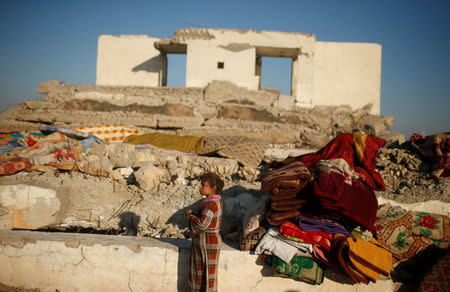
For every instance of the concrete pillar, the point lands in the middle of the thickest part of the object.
(302, 78)
(163, 71)
(258, 64)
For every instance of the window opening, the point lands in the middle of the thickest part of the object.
(276, 72)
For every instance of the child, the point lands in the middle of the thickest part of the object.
(206, 239)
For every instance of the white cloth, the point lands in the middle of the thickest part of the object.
(280, 246)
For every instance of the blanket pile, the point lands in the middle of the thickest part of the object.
(283, 186)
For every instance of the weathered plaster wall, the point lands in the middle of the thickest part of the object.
(347, 73)
(202, 65)
(88, 262)
(323, 73)
(130, 60)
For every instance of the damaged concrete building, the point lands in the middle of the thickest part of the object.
(323, 73)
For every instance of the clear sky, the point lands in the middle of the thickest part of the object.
(57, 40)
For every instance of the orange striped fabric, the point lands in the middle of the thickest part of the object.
(109, 133)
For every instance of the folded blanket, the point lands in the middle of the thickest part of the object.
(370, 258)
(339, 189)
(313, 237)
(284, 197)
(169, 142)
(363, 261)
(309, 224)
(294, 176)
(339, 248)
(277, 218)
(287, 205)
(407, 233)
(300, 268)
(359, 151)
(280, 246)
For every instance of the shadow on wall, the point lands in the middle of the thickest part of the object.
(151, 65)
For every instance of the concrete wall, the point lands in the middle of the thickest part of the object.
(323, 73)
(269, 39)
(202, 65)
(347, 73)
(130, 61)
(88, 262)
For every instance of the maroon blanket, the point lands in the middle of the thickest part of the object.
(359, 151)
(340, 190)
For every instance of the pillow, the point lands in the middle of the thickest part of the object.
(252, 218)
(14, 165)
(250, 241)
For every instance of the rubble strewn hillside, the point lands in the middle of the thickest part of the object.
(151, 188)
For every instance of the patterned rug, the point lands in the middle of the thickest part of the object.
(405, 234)
(247, 151)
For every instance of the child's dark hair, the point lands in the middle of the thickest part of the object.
(213, 179)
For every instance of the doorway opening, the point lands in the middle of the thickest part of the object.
(176, 70)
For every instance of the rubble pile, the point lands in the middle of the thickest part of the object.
(221, 108)
(407, 175)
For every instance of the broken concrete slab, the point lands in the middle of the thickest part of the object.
(225, 91)
(27, 207)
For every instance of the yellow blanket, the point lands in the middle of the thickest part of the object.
(169, 142)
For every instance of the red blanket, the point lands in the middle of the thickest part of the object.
(313, 237)
(360, 152)
(338, 189)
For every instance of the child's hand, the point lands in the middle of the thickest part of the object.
(188, 214)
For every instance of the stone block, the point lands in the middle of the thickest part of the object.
(148, 176)
(284, 103)
(223, 91)
(142, 157)
(393, 137)
(27, 207)
(376, 125)
(179, 122)
(122, 155)
(206, 111)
